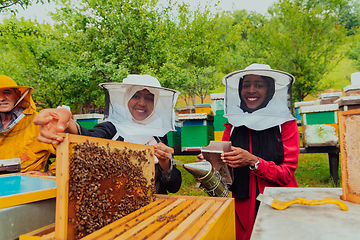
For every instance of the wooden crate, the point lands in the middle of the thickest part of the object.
(169, 217)
(349, 127)
(98, 181)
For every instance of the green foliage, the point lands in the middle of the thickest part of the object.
(301, 38)
(186, 49)
(350, 17)
(35, 59)
(313, 171)
(6, 5)
(354, 53)
(193, 47)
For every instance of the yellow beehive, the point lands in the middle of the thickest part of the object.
(218, 135)
(164, 217)
(203, 108)
(168, 217)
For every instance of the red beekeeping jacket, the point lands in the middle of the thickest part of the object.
(268, 174)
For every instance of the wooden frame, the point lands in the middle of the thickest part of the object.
(348, 193)
(169, 217)
(62, 174)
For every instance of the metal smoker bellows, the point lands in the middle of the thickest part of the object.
(210, 180)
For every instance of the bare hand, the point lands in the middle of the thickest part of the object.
(52, 121)
(200, 158)
(164, 154)
(239, 157)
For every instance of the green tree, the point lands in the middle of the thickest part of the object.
(193, 49)
(33, 55)
(239, 53)
(108, 41)
(6, 5)
(350, 17)
(302, 38)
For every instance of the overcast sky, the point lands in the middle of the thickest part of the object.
(39, 11)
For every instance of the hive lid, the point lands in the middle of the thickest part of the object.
(217, 96)
(193, 116)
(347, 98)
(88, 116)
(307, 103)
(330, 95)
(351, 87)
(319, 108)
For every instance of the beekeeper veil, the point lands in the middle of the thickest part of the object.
(159, 122)
(275, 109)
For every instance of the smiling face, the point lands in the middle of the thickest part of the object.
(8, 98)
(141, 104)
(254, 90)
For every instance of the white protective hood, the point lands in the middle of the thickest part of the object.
(275, 113)
(162, 120)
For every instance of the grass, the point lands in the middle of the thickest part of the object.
(313, 171)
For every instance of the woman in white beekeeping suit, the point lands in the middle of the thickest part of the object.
(264, 138)
(138, 110)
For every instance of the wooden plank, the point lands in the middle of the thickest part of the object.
(189, 221)
(221, 225)
(118, 227)
(191, 233)
(163, 220)
(133, 231)
(164, 231)
(62, 183)
(47, 232)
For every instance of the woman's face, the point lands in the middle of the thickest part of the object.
(254, 90)
(141, 104)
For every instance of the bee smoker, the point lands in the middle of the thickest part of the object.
(209, 179)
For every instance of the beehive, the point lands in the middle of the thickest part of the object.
(168, 217)
(348, 103)
(99, 181)
(320, 125)
(27, 202)
(22, 188)
(197, 130)
(349, 127)
(303, 104)
(89, 120)
(203, 108)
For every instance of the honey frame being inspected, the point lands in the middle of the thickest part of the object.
(62, 173)
(348, 193)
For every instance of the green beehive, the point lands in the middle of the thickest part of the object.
(219, 121)
(197, 131)
(196, 136)
(174, 138)
(320, 125)
(319, 114)
(89, 120)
